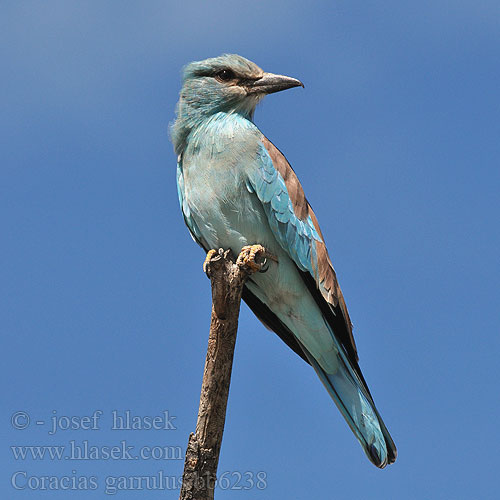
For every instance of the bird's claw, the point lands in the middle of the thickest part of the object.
(248, 256)
(210, 255)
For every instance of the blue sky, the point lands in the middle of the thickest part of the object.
(104, 305)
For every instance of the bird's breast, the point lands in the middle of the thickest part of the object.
(215, 170)
(227, 214)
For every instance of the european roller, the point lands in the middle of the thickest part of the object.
(238, 191)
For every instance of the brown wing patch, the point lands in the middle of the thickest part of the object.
(326, 277)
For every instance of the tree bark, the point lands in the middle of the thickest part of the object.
(202, 454)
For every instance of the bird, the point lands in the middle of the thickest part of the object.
(237, 191)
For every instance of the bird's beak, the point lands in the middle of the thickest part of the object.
(270, 83)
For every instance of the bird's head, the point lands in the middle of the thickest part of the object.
(228, 83)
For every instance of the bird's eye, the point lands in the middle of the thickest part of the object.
(224, 75)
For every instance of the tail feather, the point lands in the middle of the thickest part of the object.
(354, 401)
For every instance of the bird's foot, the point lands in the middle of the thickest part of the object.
(210, 255)
(251, 254)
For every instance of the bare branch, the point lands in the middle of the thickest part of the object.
(202, 453)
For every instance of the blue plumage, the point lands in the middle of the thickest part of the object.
(236, 189)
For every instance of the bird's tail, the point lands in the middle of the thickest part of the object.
(351, 395)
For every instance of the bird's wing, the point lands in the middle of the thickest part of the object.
(297, 230)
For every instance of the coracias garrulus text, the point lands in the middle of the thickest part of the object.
(236, 191)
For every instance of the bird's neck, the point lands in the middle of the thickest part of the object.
(189, 119)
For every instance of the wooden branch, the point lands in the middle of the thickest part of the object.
(202, 453)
